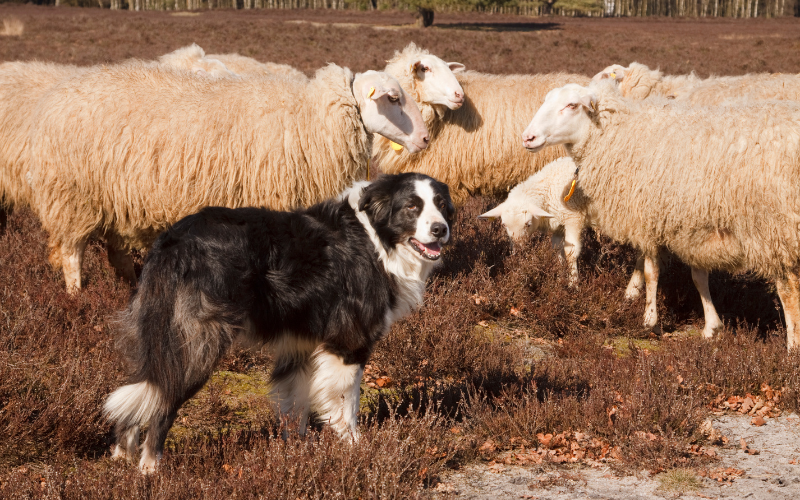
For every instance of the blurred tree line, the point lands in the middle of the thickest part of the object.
(426, 8)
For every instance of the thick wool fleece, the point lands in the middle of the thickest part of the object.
(127, 151)
(715, 185)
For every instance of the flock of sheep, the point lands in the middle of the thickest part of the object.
(704, 168)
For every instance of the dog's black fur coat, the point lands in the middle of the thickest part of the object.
(312, 274)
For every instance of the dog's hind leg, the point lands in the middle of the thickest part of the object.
(127, 442)
(336, 391)
(291, 381)
(153, 446)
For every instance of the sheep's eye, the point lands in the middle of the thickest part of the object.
(572, 105)
(425, 69)
(394, 98)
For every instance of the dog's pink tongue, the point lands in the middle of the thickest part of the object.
(433, 248)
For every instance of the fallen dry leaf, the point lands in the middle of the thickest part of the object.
(758, 421)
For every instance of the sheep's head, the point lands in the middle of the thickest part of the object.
(614, 72)
(435, 81)
(211, 68)
(387, 110)
(563, 118)
(520, 218)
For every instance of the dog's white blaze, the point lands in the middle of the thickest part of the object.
(335, 392)
(430, 214)
(403, 262)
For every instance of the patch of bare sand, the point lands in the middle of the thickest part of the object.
(771, 471)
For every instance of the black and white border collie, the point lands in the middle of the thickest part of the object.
(322, 285)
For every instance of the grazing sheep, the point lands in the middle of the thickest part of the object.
(247, 66)
(124, 152)
(714, 185)
(637, 81)
(539, 204)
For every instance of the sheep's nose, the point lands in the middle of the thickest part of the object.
(439, 229)
(425, 138)
(459, 95)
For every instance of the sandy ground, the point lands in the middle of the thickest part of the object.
(767, 475)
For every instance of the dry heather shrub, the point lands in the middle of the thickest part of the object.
(394, 460)
(12, 26)
(56, 355)
(665, 392)
(521, 293)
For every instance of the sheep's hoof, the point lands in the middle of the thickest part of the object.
(633, 293)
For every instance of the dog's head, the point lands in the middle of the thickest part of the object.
(409, 212)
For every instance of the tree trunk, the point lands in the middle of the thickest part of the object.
(424, 17)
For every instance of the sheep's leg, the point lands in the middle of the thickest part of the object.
(713, 323)
(789, 293)
(651, 293)
(335, 392)
(71, 262)
(122, 262)
(557, 243)
(572, 250)
(636, 284)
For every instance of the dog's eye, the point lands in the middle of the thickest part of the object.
(411, 207)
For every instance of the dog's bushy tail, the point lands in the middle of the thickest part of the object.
(145, 338)
(172, 334)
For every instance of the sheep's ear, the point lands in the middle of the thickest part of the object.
(200, 72)
(617, 75)
(494, 213)
(589, 101)
(376, 93)
(415, 66)
(541, 214)
(456, 67)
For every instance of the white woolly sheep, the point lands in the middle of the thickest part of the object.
(714, 185)
(637, 81)
(475, 149)
(22, 84)
(247, 66)
(539, 204)
(124, 152)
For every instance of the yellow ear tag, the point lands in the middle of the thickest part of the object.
(571, 190)
(371, 91)
(613, 76)
(396, 146)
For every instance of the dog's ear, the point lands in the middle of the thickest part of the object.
(376, 203)
(449, 201)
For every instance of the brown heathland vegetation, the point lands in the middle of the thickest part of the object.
(503, 355)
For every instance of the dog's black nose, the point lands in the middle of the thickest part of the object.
(438, 229)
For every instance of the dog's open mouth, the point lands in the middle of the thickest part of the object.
(431, 251)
